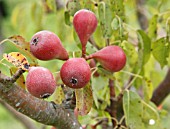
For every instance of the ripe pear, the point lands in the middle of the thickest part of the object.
(112, 58)
(75, 73)
(46, 45)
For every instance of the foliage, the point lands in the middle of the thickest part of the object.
(147, 51)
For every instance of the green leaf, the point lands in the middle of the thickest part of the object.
(138, 113)
(160, 51)
(148, 89)
(67, 18)
(105, 17)
(152, 30)
(84, 99)
(73, 6)
(131, 53)
(133, 109)
(144, 47)
(118, 8)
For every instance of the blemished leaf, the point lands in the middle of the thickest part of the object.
(105, 17)
(17, 59)
(133, 110)
(118, 7)
(20, 42)
(139, 114)
(84, 99)
(20, 81)
(58, 95)
(144, 47)
(160, 51)
(23, 45)
(148, 89)
(152, 30)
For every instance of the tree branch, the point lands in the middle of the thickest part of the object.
(162, 91)
(42, 111)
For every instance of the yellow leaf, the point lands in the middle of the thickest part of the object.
(17, 59)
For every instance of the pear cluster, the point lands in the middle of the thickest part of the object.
(75, 72)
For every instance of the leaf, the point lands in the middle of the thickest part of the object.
(84, 99)
(67, 18)
(58, 95)
(17, 59)
(144, 47)
(152, 30)
(160, 51)
(105, 17)
(133, 110)
(139, 113)
(131, 53)
(118, 8)
(20, 42)
(73, 6)
(20, 81)
(148, 89)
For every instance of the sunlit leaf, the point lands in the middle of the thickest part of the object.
(160, 51)
(144, 47)
(84, 99)
(152, 30)
(17, 59)
(20, 81)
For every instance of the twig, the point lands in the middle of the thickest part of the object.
(13, 78)
(23, 119)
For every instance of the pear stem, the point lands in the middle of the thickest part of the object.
(84, 52)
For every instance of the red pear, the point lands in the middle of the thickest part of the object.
(75, 73)
(112, 58)
(46, 45)
(85, 23)
(40, 82)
